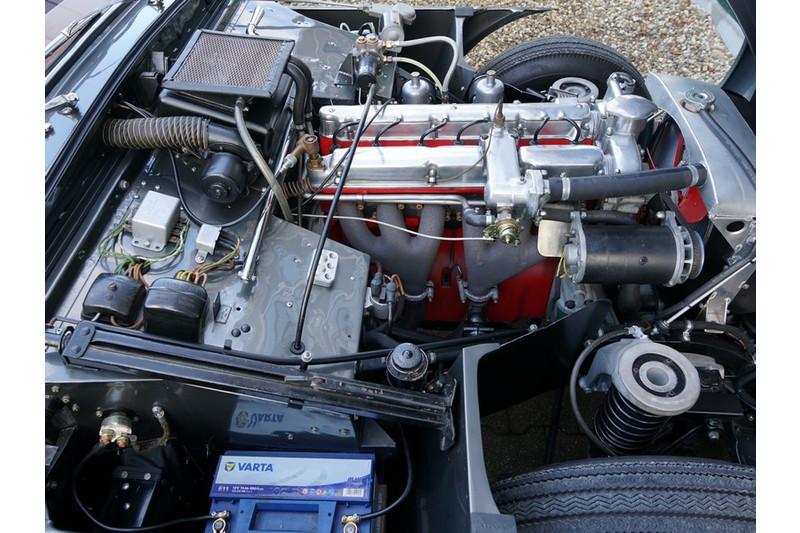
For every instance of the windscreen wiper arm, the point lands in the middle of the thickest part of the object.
(73, 28)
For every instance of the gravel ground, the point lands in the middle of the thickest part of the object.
(666, 36)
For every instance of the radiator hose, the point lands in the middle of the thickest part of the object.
(631, 184)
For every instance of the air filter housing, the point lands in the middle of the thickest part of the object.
(230, 64)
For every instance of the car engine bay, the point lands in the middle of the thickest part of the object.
(315, 241)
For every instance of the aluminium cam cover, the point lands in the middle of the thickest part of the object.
(417, 118)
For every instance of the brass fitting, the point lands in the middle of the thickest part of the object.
(350, 523)
(116, 429)
(309, 145)
(508, 231)
(499, 117)
(505, 229)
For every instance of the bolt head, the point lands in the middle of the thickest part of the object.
(696, 100)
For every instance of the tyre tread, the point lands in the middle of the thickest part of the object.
(569, 48)
(671, 492)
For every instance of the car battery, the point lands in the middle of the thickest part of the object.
(291, 492)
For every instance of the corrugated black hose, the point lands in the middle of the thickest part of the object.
(196, 134)
(157, 132)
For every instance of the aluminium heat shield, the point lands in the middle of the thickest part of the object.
(231, 64)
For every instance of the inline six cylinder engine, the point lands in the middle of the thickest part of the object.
(515, 167)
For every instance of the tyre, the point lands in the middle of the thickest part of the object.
(538, 63)
(632, 494)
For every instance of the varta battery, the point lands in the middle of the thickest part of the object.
(291, 492)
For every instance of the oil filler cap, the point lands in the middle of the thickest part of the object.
(407, 365)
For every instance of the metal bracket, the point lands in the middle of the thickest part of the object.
(220, 523)
(716, 309)
(465, 296)
(66, 103)
(696, 100)
(723, 142)
(79, 340)
(426, 294)
(325, 274)
(98, 346)
(493, 295)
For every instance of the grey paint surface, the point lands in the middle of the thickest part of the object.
(270, 305)
(453, 487)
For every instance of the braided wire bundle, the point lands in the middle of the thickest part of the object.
(161, 132)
